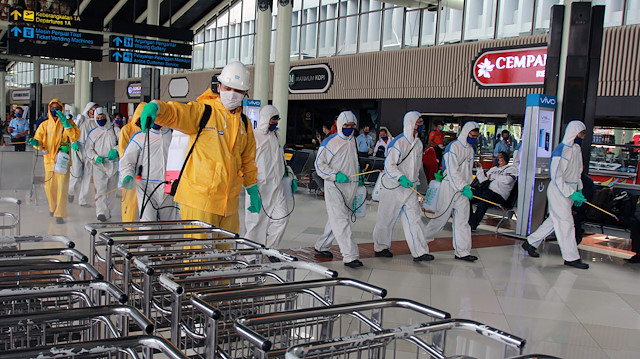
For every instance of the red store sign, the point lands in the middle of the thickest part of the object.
(512, 67)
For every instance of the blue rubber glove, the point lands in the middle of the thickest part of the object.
(438, 176)
(113, 155)
(75, 146)
(294, 185)
(578, 198)
(256, 202)
(99, 160)
(65, 122)
(341, 177)
(466, 191)
(33, 142)
(149, 113)
(127, 182)
(404, 182)
(64, 148)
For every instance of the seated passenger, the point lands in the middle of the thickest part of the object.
(383, 143)
(502, 178)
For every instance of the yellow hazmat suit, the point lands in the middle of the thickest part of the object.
(129, 197)
(51, 134)
(222, 161)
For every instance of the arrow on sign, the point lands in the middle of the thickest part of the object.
(117, 56)
(16, 31)
(16, 14)
(117, 41)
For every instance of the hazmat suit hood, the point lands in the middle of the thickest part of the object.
(108, 124)
(343, 118)
(55, 100)
(409, 123)
(138, 112)
(468, 127)
(572, 130)
(266, 113)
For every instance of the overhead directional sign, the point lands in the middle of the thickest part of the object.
(149, 59)
(53, 50)
(134, 43)
(161, 32)
(51, 19)
(60, 36)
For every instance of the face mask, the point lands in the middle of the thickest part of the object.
(347, 131)
(101, 122)
(496, 163)
(118, 122)
(366, 133)
(231, 99)
(385, 138)
(471, 141)
(420, 128)
(156, 127)
(578, 141)
(53, 112)
(273, 126)
(18, 115)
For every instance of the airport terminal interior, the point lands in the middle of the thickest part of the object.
(215, 179)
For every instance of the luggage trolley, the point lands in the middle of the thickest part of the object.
(46, 272)
(129, 347)
(110, 239)
(20, 242)
(215, 310)
(95, 228)
(476, 340)
(28, 330)
(270, 335)
(41, 297)
(10, 221)
(188, 319)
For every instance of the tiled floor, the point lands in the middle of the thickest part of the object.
(561, 311)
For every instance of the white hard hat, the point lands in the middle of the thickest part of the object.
(236, 76)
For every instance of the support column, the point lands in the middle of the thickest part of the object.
(85, 84)
(3, 98)
(283, 61)
(36, 80)
(77, 91)
(557, 130)
(262, 48)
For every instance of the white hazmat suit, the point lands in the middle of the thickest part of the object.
(404, 158)
(565, 170)
(152, 159)
(267, 227)
(80, 179)
(338, 153)
(100, 141)
(457, 169)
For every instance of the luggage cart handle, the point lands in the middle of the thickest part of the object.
(35, 239)
(52, 266)
(108, 237)
(61, 288)
(241, 324)
(90, 227)
(265, 268)
(12, 200)
(26, 253)
(166, 280)
(78, 314)
(97, 347)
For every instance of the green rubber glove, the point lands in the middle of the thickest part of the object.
(75, 147)
(404, 182)
(64, 149)
(256, 202)
(113, 155)
(578, 198)
(99, 160)
(149, 113)
(438, 176)
(33, 142)
(294, 185)
(341, 177)
(127, 182)
(466, 191)
(65, 122)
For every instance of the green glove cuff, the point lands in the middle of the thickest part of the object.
(75, 146)
(149, 112)
(113, 155)
(99, 160)
(127, 182)
(341, 177)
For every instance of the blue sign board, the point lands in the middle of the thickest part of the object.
(51, 35)
(149, 59)
(134, 43)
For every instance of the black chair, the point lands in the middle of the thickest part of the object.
(377, 165)
(509, 206)
(298, 161)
